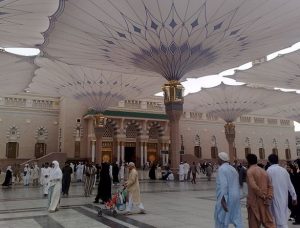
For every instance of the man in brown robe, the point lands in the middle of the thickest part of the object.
(133, 188)
(260, 194)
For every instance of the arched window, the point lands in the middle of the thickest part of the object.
(261, 149)
(108, 131)
(197, 147)
(287, 150)
(275, 149)
(214, 148)
(153, 133)
(247, 146)
(131, 131)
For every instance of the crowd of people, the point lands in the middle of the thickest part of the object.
(272, 193)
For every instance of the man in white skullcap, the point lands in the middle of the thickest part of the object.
(228, 207)
(133, 188)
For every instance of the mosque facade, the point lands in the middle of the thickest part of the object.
(136, 130)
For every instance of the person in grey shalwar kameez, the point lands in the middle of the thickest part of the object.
(228, 207)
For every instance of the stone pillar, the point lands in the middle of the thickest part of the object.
(145, 153)
(230, 136)
(118, 153)
(173, 99)
(93, 150)
(122, 151)
(99, 127)
(142, 155)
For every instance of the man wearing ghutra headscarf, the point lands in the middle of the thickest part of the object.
(228, 207)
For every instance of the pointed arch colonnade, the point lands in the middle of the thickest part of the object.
(128, 139)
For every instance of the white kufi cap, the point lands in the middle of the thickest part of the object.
(223, 156)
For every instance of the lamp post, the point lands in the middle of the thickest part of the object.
(99, 126)
(173, 99)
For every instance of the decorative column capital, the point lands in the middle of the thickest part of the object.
(173, 92)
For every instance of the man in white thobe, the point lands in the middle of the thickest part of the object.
(282, 186)
(72, 175)
(79, 172)
(186, 167)
(26, 174)
(181, 172)
(45, 173)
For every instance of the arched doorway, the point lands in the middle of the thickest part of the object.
(214, 148)
(261, 149)
(275, 149)
(40, 148)
(287, 150)
(247, 146)
(12, 146)
(197, 147)
(130, 144)
(12, 150)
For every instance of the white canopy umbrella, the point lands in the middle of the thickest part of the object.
(16, 73)
(230, 102)
(94, 88)
(282, 72)
(290, 111)
(172, 37)
(23, 22)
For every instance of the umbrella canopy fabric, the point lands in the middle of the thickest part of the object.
(289, 111)
(23, 22)
(16, 73)
(95, 88)
(172, 38)
(230, 102)
(281, 72)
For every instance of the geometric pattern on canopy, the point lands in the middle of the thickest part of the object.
(282, 72)
(95, 88)
(289, 111)
(23, 21)
(230, 102)
(172, 37)
(16, 73)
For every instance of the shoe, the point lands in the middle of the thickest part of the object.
(142, 211)
(96, 201)
(128, 213)
(51, 211)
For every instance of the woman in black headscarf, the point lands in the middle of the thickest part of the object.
(152, 175)
(104, 187)
(115, 173)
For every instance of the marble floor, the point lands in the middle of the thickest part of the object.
(168, 204)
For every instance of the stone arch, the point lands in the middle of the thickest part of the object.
(155, 126)
(12, 146)
(114, 125)
(132, 125)
(41, 135)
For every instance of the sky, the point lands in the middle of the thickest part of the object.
(192, 85)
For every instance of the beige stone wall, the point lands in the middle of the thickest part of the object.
(27, 124)
(206, 129)
(70, 111)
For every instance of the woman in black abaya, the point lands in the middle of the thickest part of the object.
(8, 177)
(104, 187)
